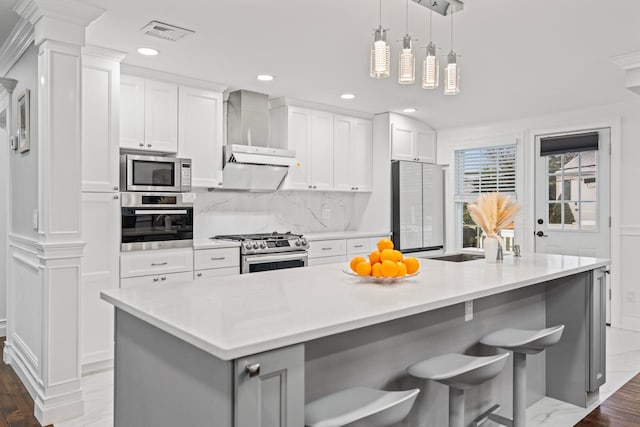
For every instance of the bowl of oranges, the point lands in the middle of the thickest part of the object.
(384, 265)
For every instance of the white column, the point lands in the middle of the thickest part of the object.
(53, 378)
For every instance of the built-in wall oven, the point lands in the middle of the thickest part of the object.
(156, 221)
(154, 173)
(270, 251)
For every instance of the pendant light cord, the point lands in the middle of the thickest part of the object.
(407, 17)
(451, 27)
(430, 25)
(380, 13)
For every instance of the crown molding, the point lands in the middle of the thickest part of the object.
(170, 77)
(15, 45)
(103, 52)
(285, 101)
(72, 11)
(628, 61)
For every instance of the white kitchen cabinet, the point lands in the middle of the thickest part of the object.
(352, 155)
(155, 262)
(216, 272)
(320, 153)
(217, 262)
(149, 115)
(297, 122)
(99, 266)
(200, 134)
(326, 260)
(326, 248)
(100, 123)
(412, 140)
(269, 389)
(157, 279)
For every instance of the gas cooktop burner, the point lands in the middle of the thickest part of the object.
(262, 243)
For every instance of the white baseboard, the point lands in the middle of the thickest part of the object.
(95, 367)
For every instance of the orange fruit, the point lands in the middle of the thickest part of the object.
(364, 268)
(397, 256)
(402, 269)
(374, 257)
(389, 268)
(376, 269)
(387, 254)
(355, 261)
(384, 244)
(413, 265)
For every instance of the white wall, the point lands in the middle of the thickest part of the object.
(4, 189)
(234, 212)
(626, 215)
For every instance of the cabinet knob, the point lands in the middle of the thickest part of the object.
(149, 145)
(253, 370)
(116, 197)
(311, 186)
(141, 144)
(199, 274)
(315, 186)
(115, 188)
(155, 279)
(163, 278)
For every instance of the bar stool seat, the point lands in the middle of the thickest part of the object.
(524, 340)
(369, 407)
(459, 372)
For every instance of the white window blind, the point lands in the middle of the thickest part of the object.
(483, 170)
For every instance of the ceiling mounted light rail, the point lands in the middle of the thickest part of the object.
(443, 7)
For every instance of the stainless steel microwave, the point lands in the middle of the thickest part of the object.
(154, 174)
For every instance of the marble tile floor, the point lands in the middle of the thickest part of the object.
(623, 363)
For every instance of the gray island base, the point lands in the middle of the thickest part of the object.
(249, 351)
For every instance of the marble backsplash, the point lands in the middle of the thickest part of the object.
(235, 212)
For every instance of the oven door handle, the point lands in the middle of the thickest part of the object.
(161, 212)
(275, 258)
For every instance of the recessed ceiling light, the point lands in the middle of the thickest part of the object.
(347, 96)
(409, 110)
(265, 77)
(148, 51)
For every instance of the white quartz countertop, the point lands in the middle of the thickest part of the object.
(232, 317)
(214, 244)
(335, 235)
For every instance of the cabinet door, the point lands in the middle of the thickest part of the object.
(298, 136)
(362, 155)
(157, 280)
(269, 389)
(402, 142)
(597, 330)
(161, 116)
(426, 145)
(100, 232)
(131, 112)
(321, 150)
(100, 118)
(200, 134)
(342, 153)
(432, 205)
(160, 261)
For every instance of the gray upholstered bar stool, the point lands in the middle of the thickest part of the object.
(360, 406)
(521, 342)
(459, 372)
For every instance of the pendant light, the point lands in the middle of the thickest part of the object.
(430, 66)
(407, 65)
(452, 70)
(380, 53)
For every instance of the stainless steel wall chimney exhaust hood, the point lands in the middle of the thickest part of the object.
(249, 163)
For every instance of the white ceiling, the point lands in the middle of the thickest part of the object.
(518, 58)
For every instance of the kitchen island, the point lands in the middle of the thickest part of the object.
(249, 350)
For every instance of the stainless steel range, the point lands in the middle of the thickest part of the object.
(270, 251)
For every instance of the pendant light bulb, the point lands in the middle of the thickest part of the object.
(407, 65)
(380, 55)
(452, 75)
(430, 69)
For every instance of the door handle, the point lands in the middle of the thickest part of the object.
(541, 234)
(158, 264)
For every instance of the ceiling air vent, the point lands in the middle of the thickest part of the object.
(165, 31)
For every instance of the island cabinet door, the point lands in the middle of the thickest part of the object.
(269, 389)
(597, 296)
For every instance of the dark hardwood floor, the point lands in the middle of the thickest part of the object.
(16, 406)
(620, 410)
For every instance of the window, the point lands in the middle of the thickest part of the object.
(482, 170)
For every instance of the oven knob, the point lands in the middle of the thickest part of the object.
(304, 242)
(298, 243)
(263, 245)
(255, 245)
(247, 245)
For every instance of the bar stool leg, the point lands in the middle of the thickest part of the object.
(519, 389)
(456, 407)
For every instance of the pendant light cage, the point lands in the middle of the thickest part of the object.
(452, 70)
(380, 55)
(430, 64)
(407, 65)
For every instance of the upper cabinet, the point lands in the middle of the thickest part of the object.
(200, 134)
(333, 152)
(148, 115)
(412, 140)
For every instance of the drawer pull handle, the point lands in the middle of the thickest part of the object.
(218, 258)
(158, 264)
(358, 246)
(253, 370)
(163, 278)
(326, 249)
(155, 279)
(199, 274)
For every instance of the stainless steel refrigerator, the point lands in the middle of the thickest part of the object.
(417, 201)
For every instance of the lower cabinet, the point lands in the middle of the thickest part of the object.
(341, 250)
(269, 389)
(157, 279)
(100, 232)
(156, 262)
(216, 272)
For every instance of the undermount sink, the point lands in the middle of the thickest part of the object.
(459, 257)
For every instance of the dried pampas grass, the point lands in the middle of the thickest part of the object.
(493, 212)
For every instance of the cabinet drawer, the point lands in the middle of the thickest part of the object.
(325, 248)
(361, 246)
(161, 261)
(327, 260)
(216, 258)
(216, 272)
(156, 280)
